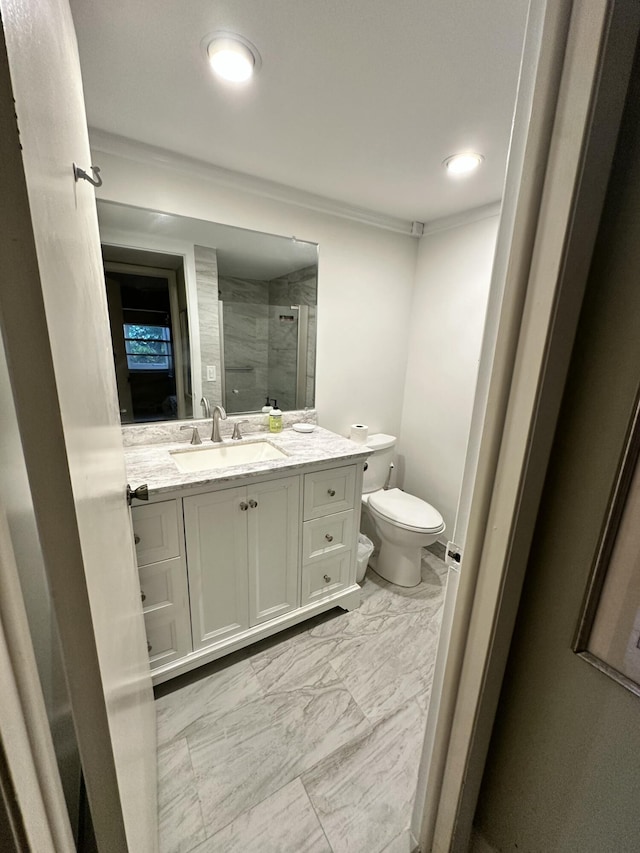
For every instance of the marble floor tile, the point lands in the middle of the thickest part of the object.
(292, 662)
(364, 792)
(285, 821)
(383, 670)
(214, 695)
(403, 843)
(252, 751)
(180, 822)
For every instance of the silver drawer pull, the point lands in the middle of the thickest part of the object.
(331, 493)
(136, 538)
(149, 647)
(253, 504)
(329, 537)
(327, 579)
(244, 506)
(142, 595)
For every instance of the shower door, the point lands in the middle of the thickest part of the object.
(267, 352)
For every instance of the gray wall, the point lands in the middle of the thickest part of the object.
(563, 766)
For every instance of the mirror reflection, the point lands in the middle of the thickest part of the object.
(204, 310)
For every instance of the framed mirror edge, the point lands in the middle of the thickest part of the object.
(607, 540)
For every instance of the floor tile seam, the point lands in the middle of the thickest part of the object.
(197, 790)
(219, 829)
(345, 745)
(353, 698)
(318, 818)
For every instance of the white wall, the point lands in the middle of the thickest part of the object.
(365, 279)
(452, 281)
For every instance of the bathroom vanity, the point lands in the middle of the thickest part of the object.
(232, 554)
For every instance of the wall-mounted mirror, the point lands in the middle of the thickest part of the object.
(199, 309)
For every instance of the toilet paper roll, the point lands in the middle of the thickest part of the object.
(359, 433)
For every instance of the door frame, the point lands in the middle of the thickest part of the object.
(581, 84)
(174, 310)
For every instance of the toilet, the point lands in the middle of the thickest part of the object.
(403, 523)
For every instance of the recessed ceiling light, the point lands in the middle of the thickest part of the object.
(232, 57)
(462, 164)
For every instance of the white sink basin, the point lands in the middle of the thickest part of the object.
(225, 456)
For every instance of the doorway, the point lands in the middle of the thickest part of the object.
(150, 342)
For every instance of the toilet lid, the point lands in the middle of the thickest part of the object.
(407, 510)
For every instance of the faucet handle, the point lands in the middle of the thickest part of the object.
(237, 435)
(195, 436)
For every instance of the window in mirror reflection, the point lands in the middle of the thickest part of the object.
(148, 354)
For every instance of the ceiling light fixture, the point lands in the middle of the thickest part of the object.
(462, 164)
(232, 57)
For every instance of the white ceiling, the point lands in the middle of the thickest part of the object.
(357, 100)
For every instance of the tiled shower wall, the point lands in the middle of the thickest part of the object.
(260, 341)
(297, 288)
(246, 339)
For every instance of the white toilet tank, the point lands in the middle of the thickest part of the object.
(378, 463)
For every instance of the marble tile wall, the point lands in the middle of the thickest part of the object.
(307, 741)
(246, 342)
(297, 288)
(206, 262)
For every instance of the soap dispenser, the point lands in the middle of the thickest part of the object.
(266, 411)
(275, 418)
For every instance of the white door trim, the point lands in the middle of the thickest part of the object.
(512, 460)
(38, 810)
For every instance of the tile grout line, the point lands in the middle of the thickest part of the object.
(197, 789)
(318, 818)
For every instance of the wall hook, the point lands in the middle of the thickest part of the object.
(80, 173)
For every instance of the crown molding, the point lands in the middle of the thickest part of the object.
(456, 220)
(141, 152)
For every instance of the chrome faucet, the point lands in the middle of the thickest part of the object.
(218, 412)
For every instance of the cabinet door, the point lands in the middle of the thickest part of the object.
(216, 537)
(273, 548)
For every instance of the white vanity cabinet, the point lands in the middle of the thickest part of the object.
(223, 565)
(242, 554)
(159, 539)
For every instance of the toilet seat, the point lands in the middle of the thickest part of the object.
(406, 511)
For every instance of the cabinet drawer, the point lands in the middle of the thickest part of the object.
(327, 536)
(162, 584)
(167, 636)
(156, 531)
(325, 577)
(329, 491)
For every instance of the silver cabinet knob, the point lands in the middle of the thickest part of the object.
(331, 492)
(328, 537)
(244, 506)
(143, 597)
(136, 538)
(327, 579)
(253, 504)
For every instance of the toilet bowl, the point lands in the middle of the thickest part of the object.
(403, 523)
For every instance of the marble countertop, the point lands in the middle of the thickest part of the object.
(152, 463)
